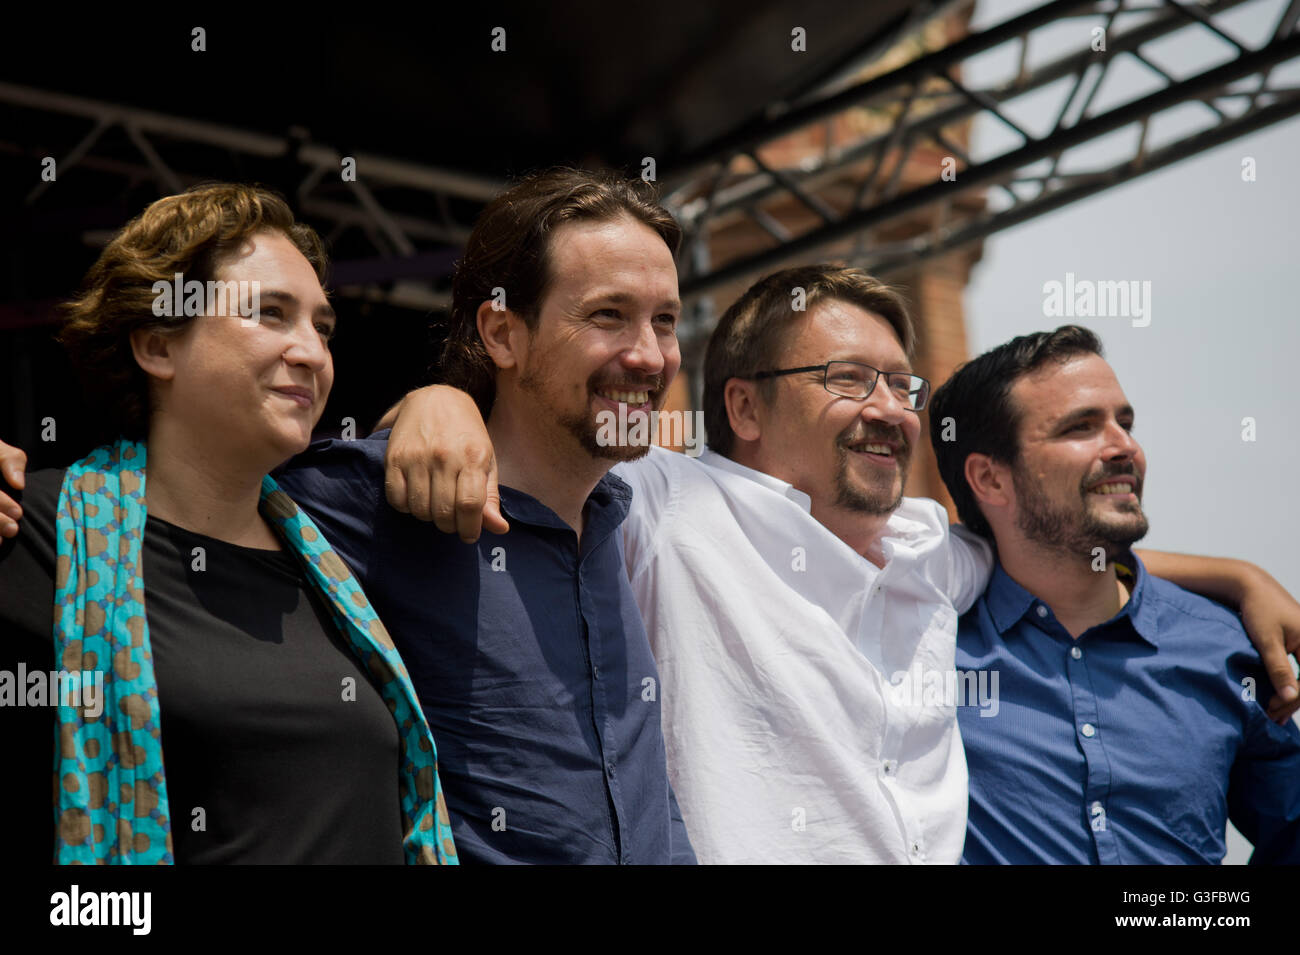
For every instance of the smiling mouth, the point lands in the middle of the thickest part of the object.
(1125, 487)
(300, 397)
(633, 398)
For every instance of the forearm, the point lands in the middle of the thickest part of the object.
(1219, 578)
(415, 395)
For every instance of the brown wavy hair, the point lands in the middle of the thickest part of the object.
(190, 233)
(509, 249)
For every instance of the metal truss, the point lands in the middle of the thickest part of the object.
(133, 146)
(861, 194)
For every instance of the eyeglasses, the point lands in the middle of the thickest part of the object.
(853, 379)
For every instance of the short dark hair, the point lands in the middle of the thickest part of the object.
(190, 233)
(509, 248)
(749, 336)
(985, 420)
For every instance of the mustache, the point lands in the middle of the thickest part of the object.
(1115, 470)
(655, 383)
(893, 435)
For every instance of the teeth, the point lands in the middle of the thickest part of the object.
(627, 397)
(1114, 488)
(876, 449)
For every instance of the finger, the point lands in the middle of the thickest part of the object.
(10, 508)
(1278, 666)
(395, 488)
(1279, 711)
(421, 496)
(493, 520)
(8, 528)
(14, 467)
(471, 495)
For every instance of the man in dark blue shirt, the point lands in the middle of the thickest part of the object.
(527, 649)
(1126, 728)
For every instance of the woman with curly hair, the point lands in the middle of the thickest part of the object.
(223, 690)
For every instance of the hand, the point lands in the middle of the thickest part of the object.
(13, 467)
(1272, 618)
(440, 465)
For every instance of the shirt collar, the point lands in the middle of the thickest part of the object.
(1008, 602)
(898, 527)
(606, 507)
(722, 463)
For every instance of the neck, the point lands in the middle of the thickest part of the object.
(204, 488)
(542, 463)
(863, 532)
(1079, 596)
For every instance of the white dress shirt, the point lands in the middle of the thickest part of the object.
(796, 724)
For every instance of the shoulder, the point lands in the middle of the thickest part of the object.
(1179, 608)
(40, 503)
(657, 466)
(334, 466)
(41, 496)
(360, 454)
(655, 478)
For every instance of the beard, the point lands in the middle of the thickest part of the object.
(881, 498)
(1078, 530)
(582, 425)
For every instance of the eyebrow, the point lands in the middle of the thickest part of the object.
(905, 369)
(627, 298)
(325, 309)
(1083, 414)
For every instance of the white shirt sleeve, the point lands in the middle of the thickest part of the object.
(970, 565)
(655, 485)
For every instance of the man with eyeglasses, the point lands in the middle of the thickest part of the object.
(802, 611)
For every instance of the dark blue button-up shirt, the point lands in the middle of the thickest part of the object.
(529, 656)
(1132, 744)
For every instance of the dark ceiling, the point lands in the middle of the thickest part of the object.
(581, 81)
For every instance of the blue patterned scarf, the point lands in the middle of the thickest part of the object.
(112, 793)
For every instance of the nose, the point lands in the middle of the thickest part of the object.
(646, 353)
(883, 405)
(306, 347)
(1121, 444)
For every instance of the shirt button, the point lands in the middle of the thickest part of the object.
(1042, 611)
(609, 767)
(595, 672)
(1076, 652)
(1088, 730)
(916, 849)
(889, 767)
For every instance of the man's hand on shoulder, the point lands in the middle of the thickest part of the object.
(440, 465)
(13, 468)
(1272, 618)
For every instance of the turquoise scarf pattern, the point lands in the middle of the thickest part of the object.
(112, 791)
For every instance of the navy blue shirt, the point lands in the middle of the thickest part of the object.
(530, 659)
(1132, 744)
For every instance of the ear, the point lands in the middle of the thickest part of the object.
(989, 480)
(154, 352)
(499, 327)
(741, 399)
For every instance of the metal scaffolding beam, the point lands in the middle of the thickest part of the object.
(375, 205)
(855, 190)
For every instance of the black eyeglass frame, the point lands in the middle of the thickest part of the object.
(825, 370)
